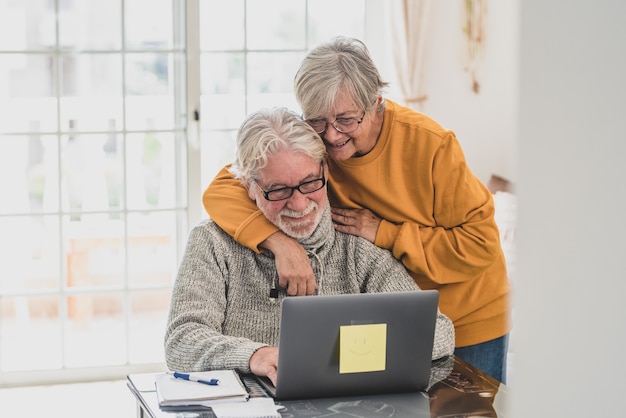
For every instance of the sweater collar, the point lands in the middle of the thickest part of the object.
(323, 234)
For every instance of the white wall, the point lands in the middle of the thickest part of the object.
(485, 122)
(571, 271)
(551, 112)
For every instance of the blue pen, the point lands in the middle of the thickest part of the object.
(187, 376)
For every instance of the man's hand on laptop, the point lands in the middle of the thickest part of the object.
(264, 362)
(292, 264)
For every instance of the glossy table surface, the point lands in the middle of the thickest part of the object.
(457, 390)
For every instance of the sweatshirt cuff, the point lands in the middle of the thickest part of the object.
(387, 234)
(254, 231)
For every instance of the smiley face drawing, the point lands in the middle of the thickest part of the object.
(359, 345)
(362, 348)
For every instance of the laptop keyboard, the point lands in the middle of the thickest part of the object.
(255, 389)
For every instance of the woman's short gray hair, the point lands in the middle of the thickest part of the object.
(342, 64)
(267, 131)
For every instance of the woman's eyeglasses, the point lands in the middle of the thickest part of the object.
(343, 125)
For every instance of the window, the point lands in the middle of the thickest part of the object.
(250, 52)
(93, 170)
(102, 167)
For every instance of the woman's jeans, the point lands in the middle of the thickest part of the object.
(490, 356)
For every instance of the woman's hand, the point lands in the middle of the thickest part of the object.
(359, 222)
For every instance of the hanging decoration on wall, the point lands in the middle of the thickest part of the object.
(474, 23)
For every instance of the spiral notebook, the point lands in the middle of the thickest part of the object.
(173, 392)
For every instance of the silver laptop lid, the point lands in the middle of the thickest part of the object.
(355, 344)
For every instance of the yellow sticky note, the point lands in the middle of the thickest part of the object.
(362, 348)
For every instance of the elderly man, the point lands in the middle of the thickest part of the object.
(225, 306)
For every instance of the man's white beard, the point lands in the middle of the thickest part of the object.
(299, 229)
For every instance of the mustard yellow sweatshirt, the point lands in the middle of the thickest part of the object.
(438, 218)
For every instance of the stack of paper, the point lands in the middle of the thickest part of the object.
(179, 392)
(254, 408)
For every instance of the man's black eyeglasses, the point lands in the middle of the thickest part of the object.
(343, 125)
(286, 192)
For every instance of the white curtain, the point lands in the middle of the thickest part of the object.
(409, 29)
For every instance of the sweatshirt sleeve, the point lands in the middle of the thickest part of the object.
(228, 204)
(193, 337)
(463, 241)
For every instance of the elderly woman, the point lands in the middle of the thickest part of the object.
(400, 180)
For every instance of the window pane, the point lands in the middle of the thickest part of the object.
(223, 73)
(28, 173)
(223, 111)
(27, 25)
(276, 24)
(214, 26)
(91, 24)
(326, 16)
(43, 173)
(90, 173)
(95, 334)
(94, 248)
(272, 72)
(113, 170)
(152, 253)
(148, 24)
(268, 100)
(223, 90)
(91, 92)
(270, 79)
(151, 170)
(149, 311)
(150, 91)
(218, 149)
(27, 93)
(30, 333)
(33, 264)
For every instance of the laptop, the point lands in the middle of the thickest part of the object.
(355, 344)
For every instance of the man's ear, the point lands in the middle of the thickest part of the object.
(248, 186)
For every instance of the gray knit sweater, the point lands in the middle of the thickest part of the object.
(221, 312)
